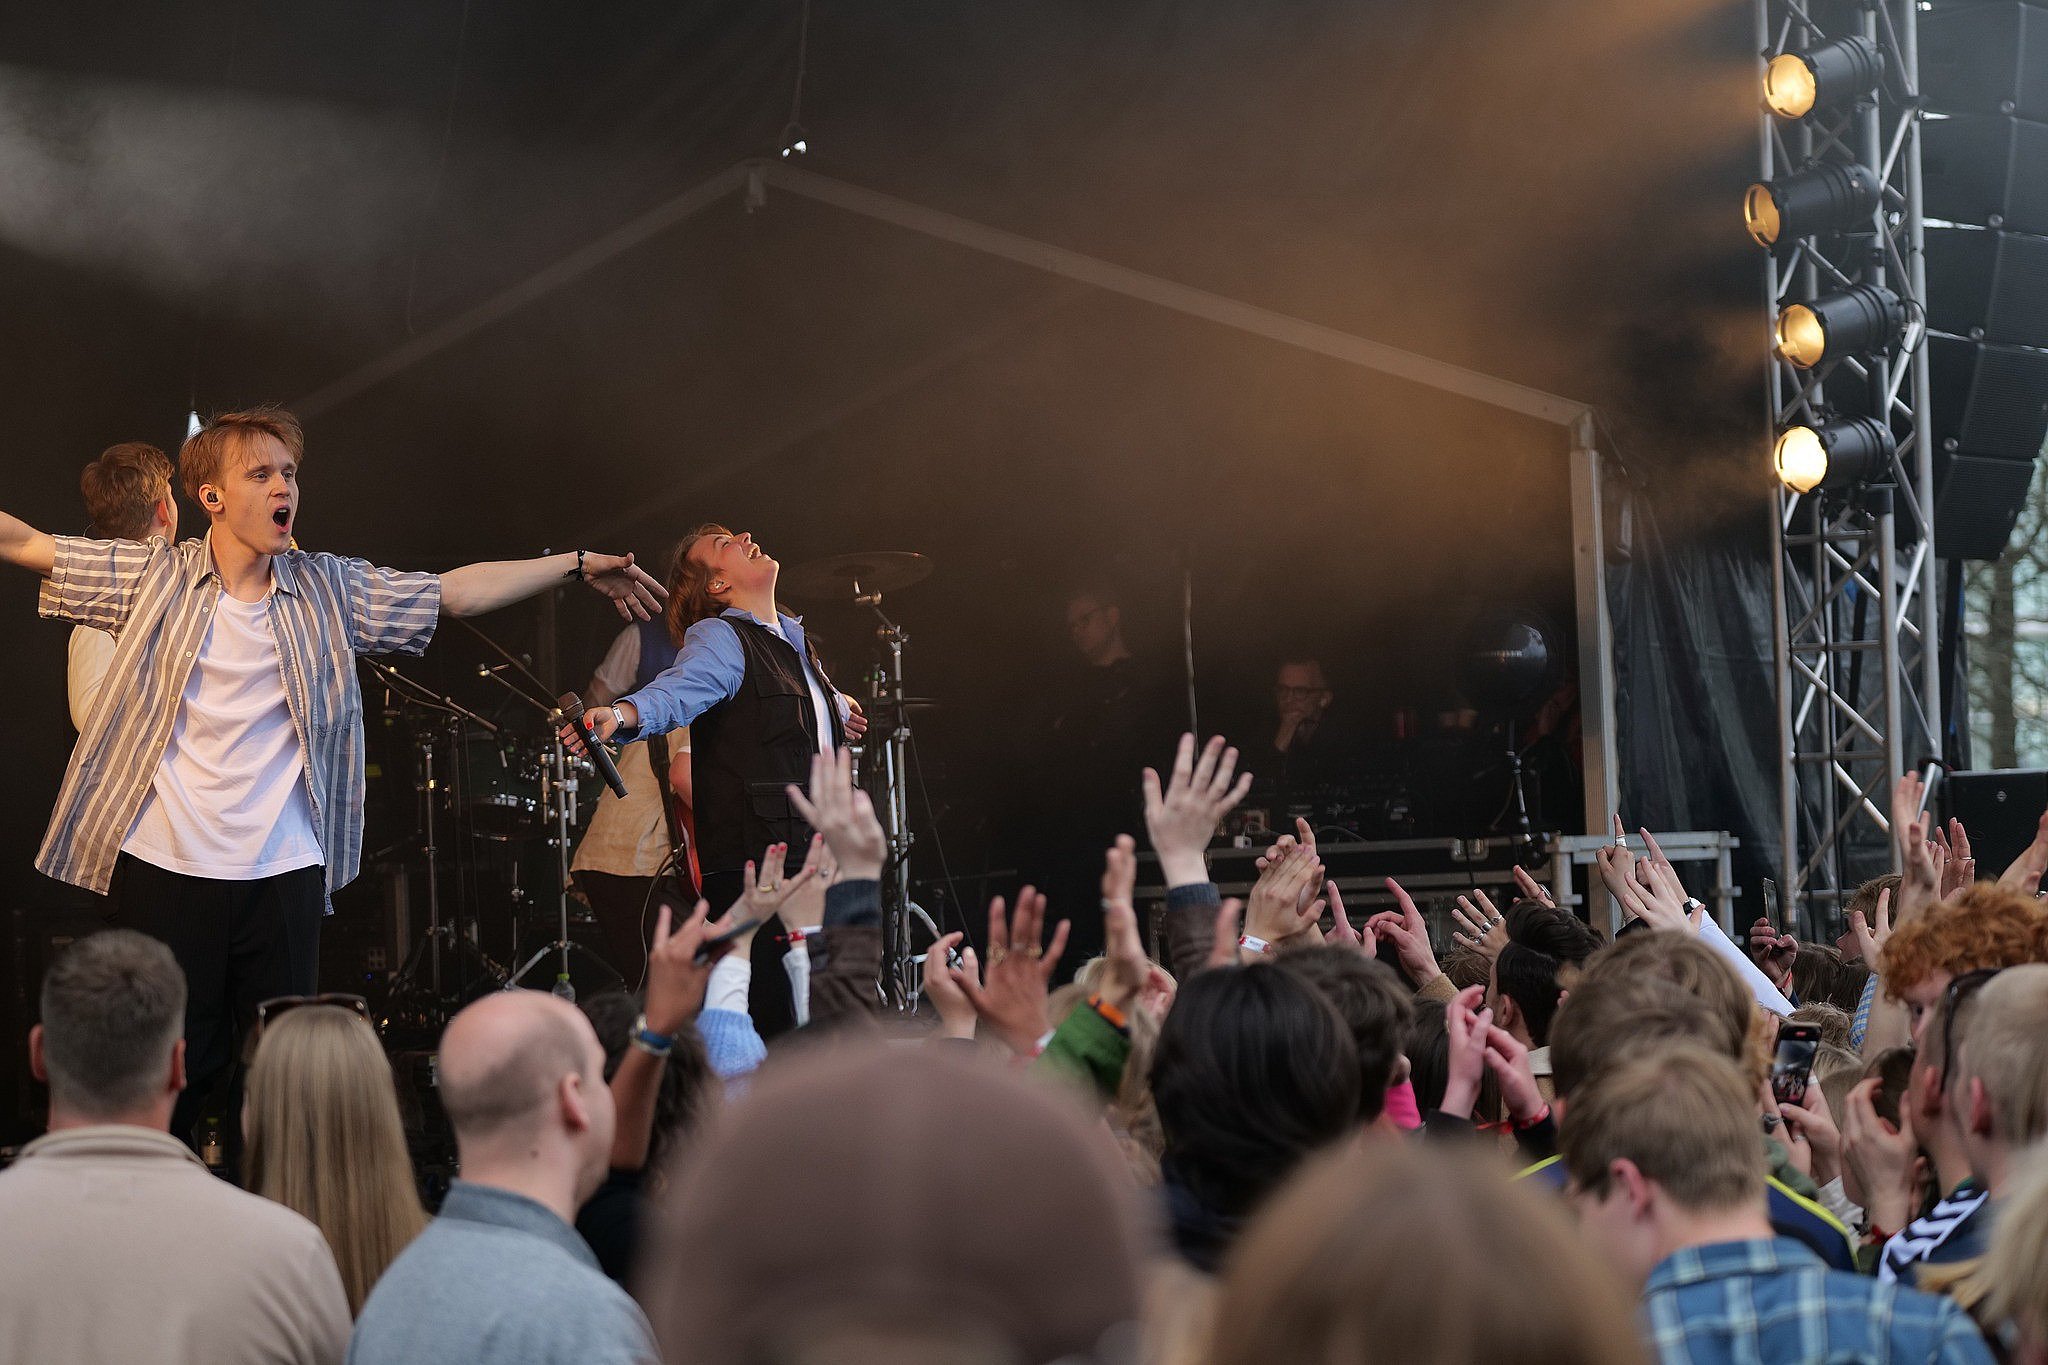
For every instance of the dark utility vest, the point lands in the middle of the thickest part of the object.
(747, 749)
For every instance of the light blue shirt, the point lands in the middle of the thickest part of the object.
(708, 670)
(498, 1279)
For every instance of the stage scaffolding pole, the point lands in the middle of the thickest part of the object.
(1857, 661)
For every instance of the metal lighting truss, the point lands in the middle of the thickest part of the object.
(1857, 655)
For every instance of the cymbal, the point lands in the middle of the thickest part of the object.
(843, 577)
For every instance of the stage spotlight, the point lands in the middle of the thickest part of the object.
(794, 141)
(1863, 317)
(1816, 199)
(1796, 83)
(1833, 454)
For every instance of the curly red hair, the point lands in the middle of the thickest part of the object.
(1982, 926)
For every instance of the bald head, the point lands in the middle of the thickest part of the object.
(503, 1060)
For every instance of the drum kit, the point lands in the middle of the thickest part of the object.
(499, 810)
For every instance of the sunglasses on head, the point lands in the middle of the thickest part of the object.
(1951, 1000)
(285, 1004)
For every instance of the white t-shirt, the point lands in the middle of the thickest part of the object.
(229, 798)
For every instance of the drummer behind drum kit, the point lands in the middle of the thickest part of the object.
(511, 802)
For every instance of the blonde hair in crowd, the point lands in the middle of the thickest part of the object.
(1352, 1262)
(325, 1140)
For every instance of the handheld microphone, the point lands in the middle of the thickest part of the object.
(572, 712)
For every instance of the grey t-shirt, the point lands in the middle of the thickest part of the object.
(498, 1279)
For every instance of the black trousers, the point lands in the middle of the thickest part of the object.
(625, 914)
(240, 943)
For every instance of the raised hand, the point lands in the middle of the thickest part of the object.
(1469, 1030)
(1629, 882)
(1182, 818)
(1011, 1000)
(2024, 876)
(1962, 865)
(1870, 938)
(1810, 1121)
(1920, 884)
(1405, 929)
(1125, 968)
(803, 907)
(841, 811)
(1282, 904)
(675, 979)
(1223, 950)
(1341, 931)
(637, 596)
(1773, 952)
(1485, 929)
(1509, 1062)
(766, 888)
(1532, 889)
(1877, 1159)
(943, 989)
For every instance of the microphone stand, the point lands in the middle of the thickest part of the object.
(558, 794)
(419, 694)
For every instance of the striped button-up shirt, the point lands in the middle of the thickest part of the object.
(157, 600)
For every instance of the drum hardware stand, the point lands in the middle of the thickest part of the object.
(455, 714)
(558, 790)
(889, 696)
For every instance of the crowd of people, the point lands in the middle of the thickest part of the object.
(1274, 1133)
(1243, 1131)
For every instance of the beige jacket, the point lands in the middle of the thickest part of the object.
(118, 1245)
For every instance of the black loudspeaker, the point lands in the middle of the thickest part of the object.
(1988, 399)
(1988, 286)
(1977, 502)
(2000, 810)
(1986, 59)
(1986, 169)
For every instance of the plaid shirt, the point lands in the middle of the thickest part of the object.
(156, 599)
(1774, 1301)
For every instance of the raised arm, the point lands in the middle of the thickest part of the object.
(23, 544)
(475, 589)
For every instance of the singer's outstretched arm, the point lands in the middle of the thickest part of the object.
(23, 544)
(475, 589)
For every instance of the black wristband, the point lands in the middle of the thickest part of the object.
(580, 578)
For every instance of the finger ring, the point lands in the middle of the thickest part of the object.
(996, 955)
(763, 889)
(1034, 952)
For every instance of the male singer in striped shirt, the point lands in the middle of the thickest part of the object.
(218, 797)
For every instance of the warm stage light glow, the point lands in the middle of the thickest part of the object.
(1834, 75)
(1801, 338)
(1788, 86)
(1837, 454)
(1863, 317)
(1760, 213)
(1801, 459)
(1826, 196)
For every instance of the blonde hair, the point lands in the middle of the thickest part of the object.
(205, 453)
(1317, 1277)
(2000, 1031)
(2009, 1283)
(325, 1140)
(1685, 1117)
